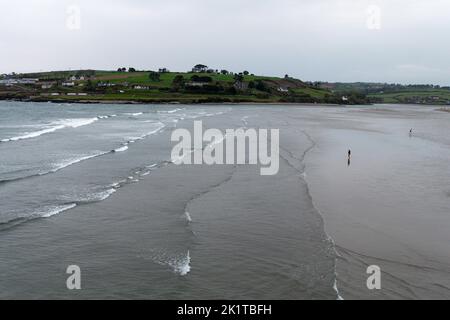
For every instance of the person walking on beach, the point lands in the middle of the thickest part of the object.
(349, 154)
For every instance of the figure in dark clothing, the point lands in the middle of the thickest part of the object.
(349, 157)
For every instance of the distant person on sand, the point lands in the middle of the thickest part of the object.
(349, 154)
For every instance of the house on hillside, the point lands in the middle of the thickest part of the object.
(105, 84)
(196, 84)
(283, 89)
(240, 85)
(140, 87)
(47, 85)
(68, 84)
(77, 78)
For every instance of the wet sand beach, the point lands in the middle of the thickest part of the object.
(140, 227)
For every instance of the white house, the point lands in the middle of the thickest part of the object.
(75, 78)
(196, 84)
(139, 87)
(68, 84)
(46, 85)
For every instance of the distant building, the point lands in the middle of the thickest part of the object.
(344, 98)
(105, 84)
(139, 87)
(240, 85)
(197, 84)
(68, 84)
(283, 89)
(77, 78)
(27, 81)
(47, 85)
(18, 81)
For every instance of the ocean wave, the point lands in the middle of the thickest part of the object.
(56, 167)
(41, 213)
(121, 149)
(55, 210)
(159, 127)
(52, 127)
(66, 163)
(180, 264)
(135, 114)
(171, 111)
(187, 215)
(98, 196)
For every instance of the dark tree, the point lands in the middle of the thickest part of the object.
(260, 85)
(246, 73)
(90, 86)
(178, 82)
(131, 70)
(239, 77)
(196, 78)
(154, 76)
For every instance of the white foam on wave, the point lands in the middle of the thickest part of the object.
(98, 196)
(121, 149)
(171, 111)
(135, 114)
(104, 194)
(54, 126)
(188, 216)
(181, 265)
(57, 209)
(158, 128)
(66, 163)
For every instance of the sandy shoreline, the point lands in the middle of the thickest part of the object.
(371, 210)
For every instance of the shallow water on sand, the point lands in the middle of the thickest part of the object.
(141, 227)
(93, 185)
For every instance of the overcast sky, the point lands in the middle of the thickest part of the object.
(402, 41)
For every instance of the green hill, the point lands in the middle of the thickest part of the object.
(166, 87)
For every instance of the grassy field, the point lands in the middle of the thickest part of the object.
(436, 96)
(166, 79)
(313, 92)
(120, 86)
